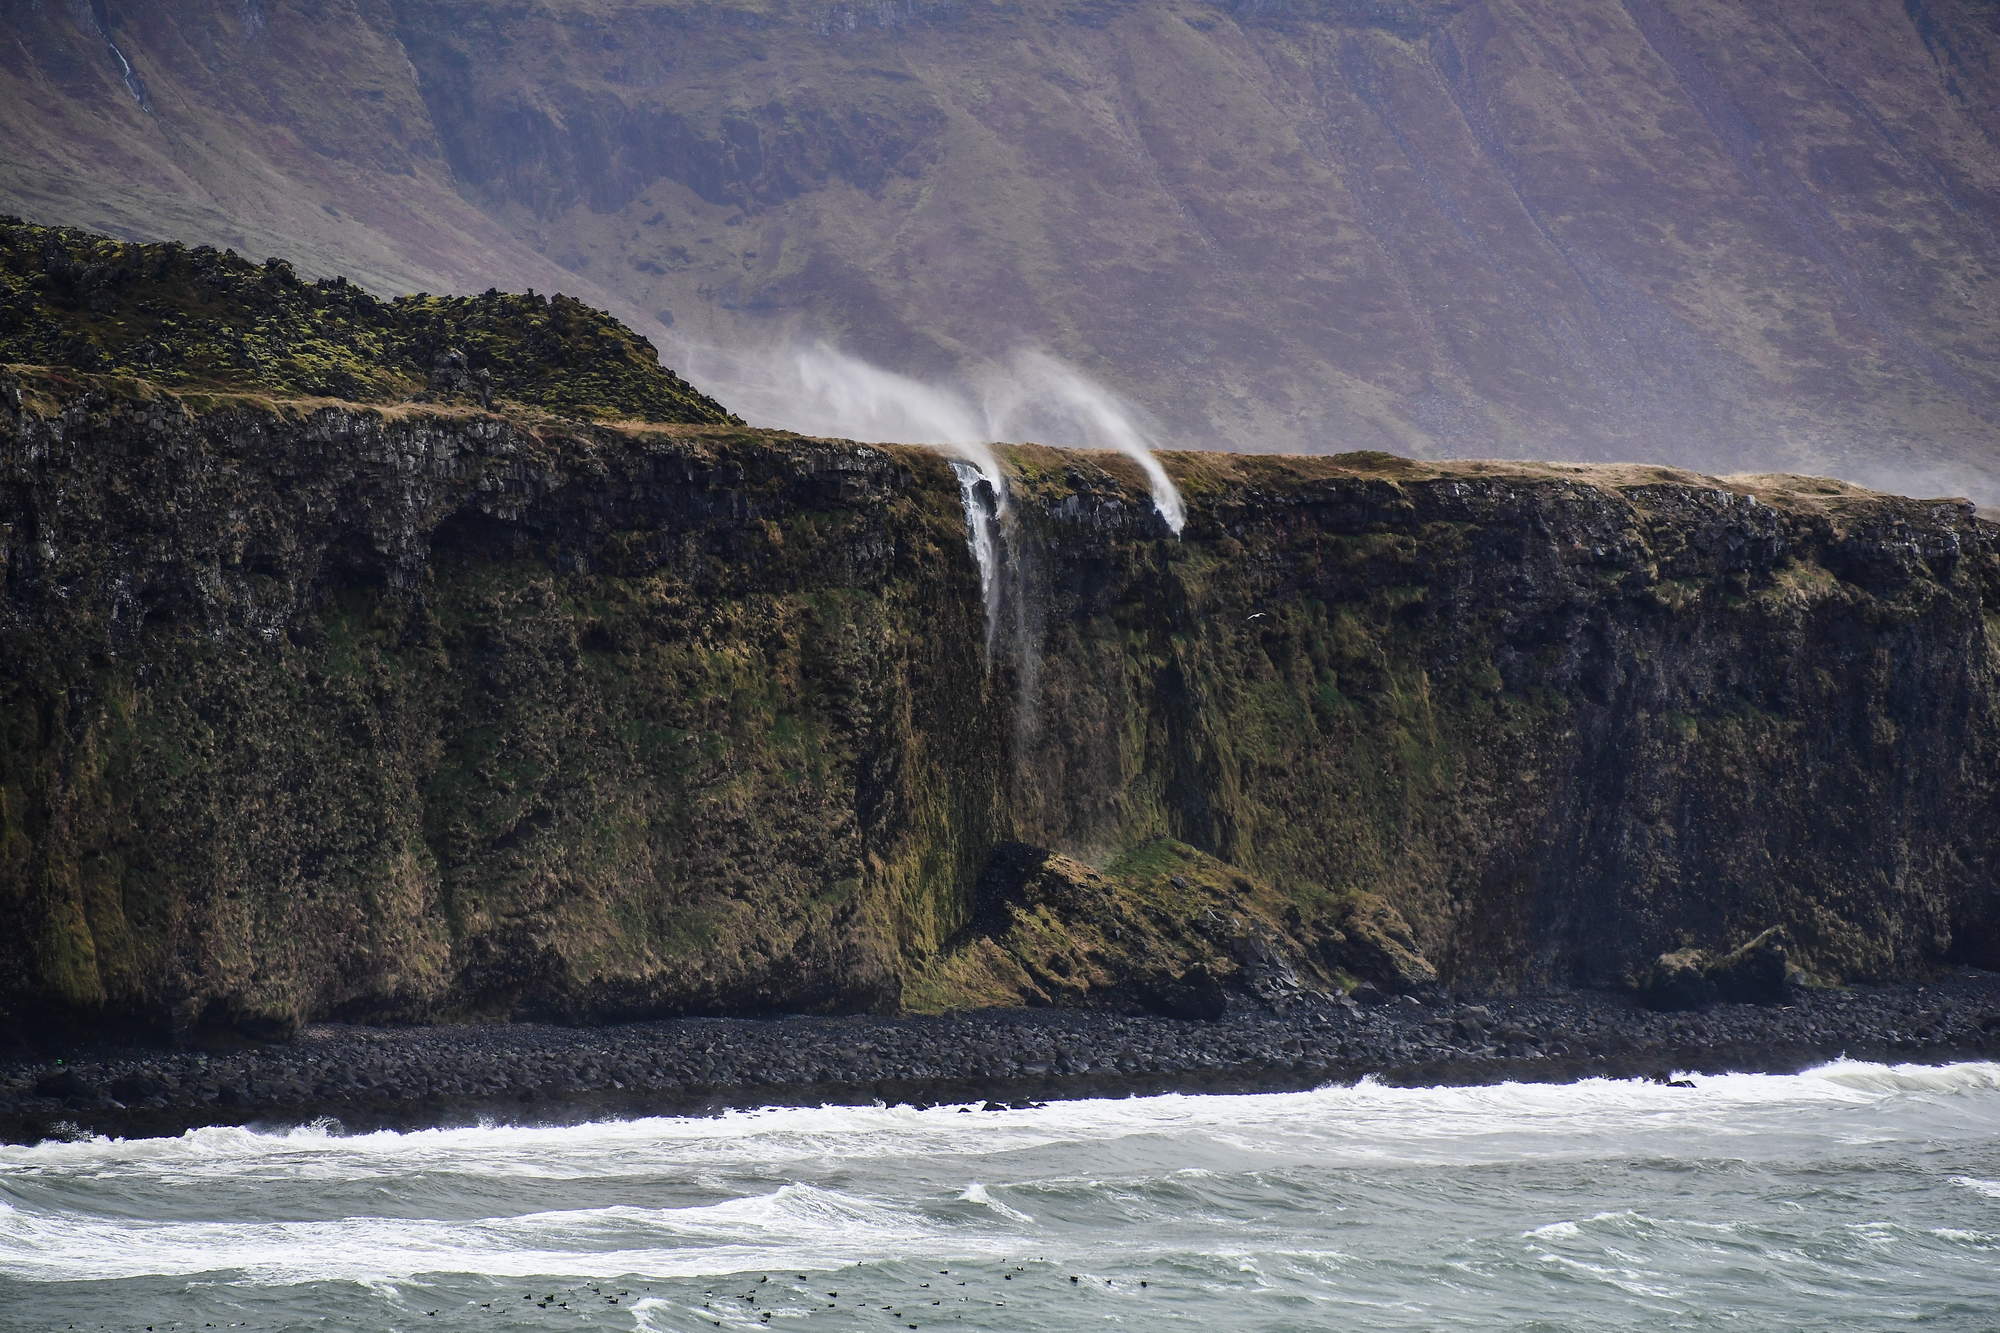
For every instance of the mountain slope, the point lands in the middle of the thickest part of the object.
(1729, 236)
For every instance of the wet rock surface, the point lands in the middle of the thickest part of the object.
(371, 1078)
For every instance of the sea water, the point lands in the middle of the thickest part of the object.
(1854, 1196)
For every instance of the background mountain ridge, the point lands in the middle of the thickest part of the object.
(1728, 237)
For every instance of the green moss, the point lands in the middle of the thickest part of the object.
(745, 750)
(196, 319)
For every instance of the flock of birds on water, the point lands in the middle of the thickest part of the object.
(619, 1295)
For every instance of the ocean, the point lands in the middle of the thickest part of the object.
(1853, 1196)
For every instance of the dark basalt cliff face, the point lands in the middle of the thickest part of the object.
(426, 711)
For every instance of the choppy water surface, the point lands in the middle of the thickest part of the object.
(1854, 1196)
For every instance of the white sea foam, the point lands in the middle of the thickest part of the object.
(976, 1193)
(794, 1226)
(818, 1188)
(1874, 1078)
(1977, 1239)
(1367, 1117)
(776, 1136)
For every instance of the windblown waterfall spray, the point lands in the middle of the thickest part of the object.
(1042, 389)
(982, 538)
(816, 388)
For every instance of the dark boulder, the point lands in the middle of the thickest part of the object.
(1194, 994)
(65, 1084)
(1754, 973)
(137, 1088)
(1676, 981)
(1266, 972)
(1368, 938)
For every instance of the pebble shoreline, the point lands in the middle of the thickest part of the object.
(374, 1078)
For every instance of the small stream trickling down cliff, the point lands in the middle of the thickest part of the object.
(983, 500)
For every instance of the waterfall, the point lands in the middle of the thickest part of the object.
(1049, 398)
(84, 16)
(983, 500)
(819, 390)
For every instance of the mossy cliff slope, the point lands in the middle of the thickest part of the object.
(199, 318)
(419, 710)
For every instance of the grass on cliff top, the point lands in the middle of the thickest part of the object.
(1205, 473)
(202, 319)
(1210, 475)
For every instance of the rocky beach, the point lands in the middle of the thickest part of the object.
(380, 1078)
(1280, 666)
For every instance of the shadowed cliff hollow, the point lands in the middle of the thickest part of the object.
(425, 710)
(1726, 236)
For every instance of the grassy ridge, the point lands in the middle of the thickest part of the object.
(208, 319)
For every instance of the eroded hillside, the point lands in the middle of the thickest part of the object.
(196, 318)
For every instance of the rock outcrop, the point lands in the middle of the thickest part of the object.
(1677, 980)
(1758, 972)
(202, 320)
(423, 710)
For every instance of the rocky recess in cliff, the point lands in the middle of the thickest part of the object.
(430, 711)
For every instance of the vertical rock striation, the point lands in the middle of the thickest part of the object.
(430, 711)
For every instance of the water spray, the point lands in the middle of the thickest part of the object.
(1041, 387)
(982, 515)
(818, 389)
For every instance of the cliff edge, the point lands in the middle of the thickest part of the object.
(433, 710)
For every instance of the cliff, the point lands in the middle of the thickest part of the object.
(1726, 236)
(425, 710)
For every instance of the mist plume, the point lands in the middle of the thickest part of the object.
(1049, 398)
(817, 389)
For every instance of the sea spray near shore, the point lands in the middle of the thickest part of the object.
(1839, 1192)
